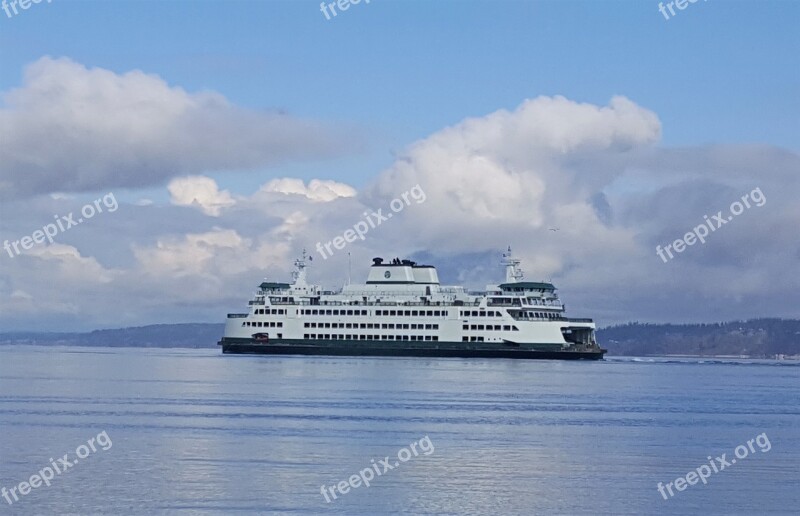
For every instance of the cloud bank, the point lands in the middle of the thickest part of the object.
(70, 128)
(584, 194)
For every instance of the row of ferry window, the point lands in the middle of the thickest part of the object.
(263, 324)
(370, 337)
(485, 313)
(273, 311)
(541, 315)
(412, 313)
(491, 327)
(472, 339)
(309, 311)
(371, 326)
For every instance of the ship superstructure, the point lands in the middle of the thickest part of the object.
(403, 310)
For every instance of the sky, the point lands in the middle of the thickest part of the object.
(216, 140)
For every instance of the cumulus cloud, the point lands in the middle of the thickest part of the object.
(69, 128)
(518, 172)
(317, 190)
(201, 192)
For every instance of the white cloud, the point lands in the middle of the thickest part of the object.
(201, 192)
(317, 190)
(70, 128)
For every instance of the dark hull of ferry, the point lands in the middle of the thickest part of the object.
(389, 349)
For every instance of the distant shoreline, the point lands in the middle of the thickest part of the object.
(772, 339)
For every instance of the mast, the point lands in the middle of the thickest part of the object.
(514, 273)
(299, 274)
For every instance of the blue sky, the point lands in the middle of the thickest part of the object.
(261, 128)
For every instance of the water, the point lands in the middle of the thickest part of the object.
(193, 432)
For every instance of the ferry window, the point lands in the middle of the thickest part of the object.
(428, 337)
(437, 312)
(280, 335)
(465, 339)
(428, 327)
(465, 327)
(415, 313)
(435, 326)
(506, 328)
(306, 336)
(515, 328)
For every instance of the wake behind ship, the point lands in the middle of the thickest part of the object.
(402, 310)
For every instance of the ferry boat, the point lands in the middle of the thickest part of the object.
(402, 310)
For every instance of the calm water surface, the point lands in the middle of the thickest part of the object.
(194, 432)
